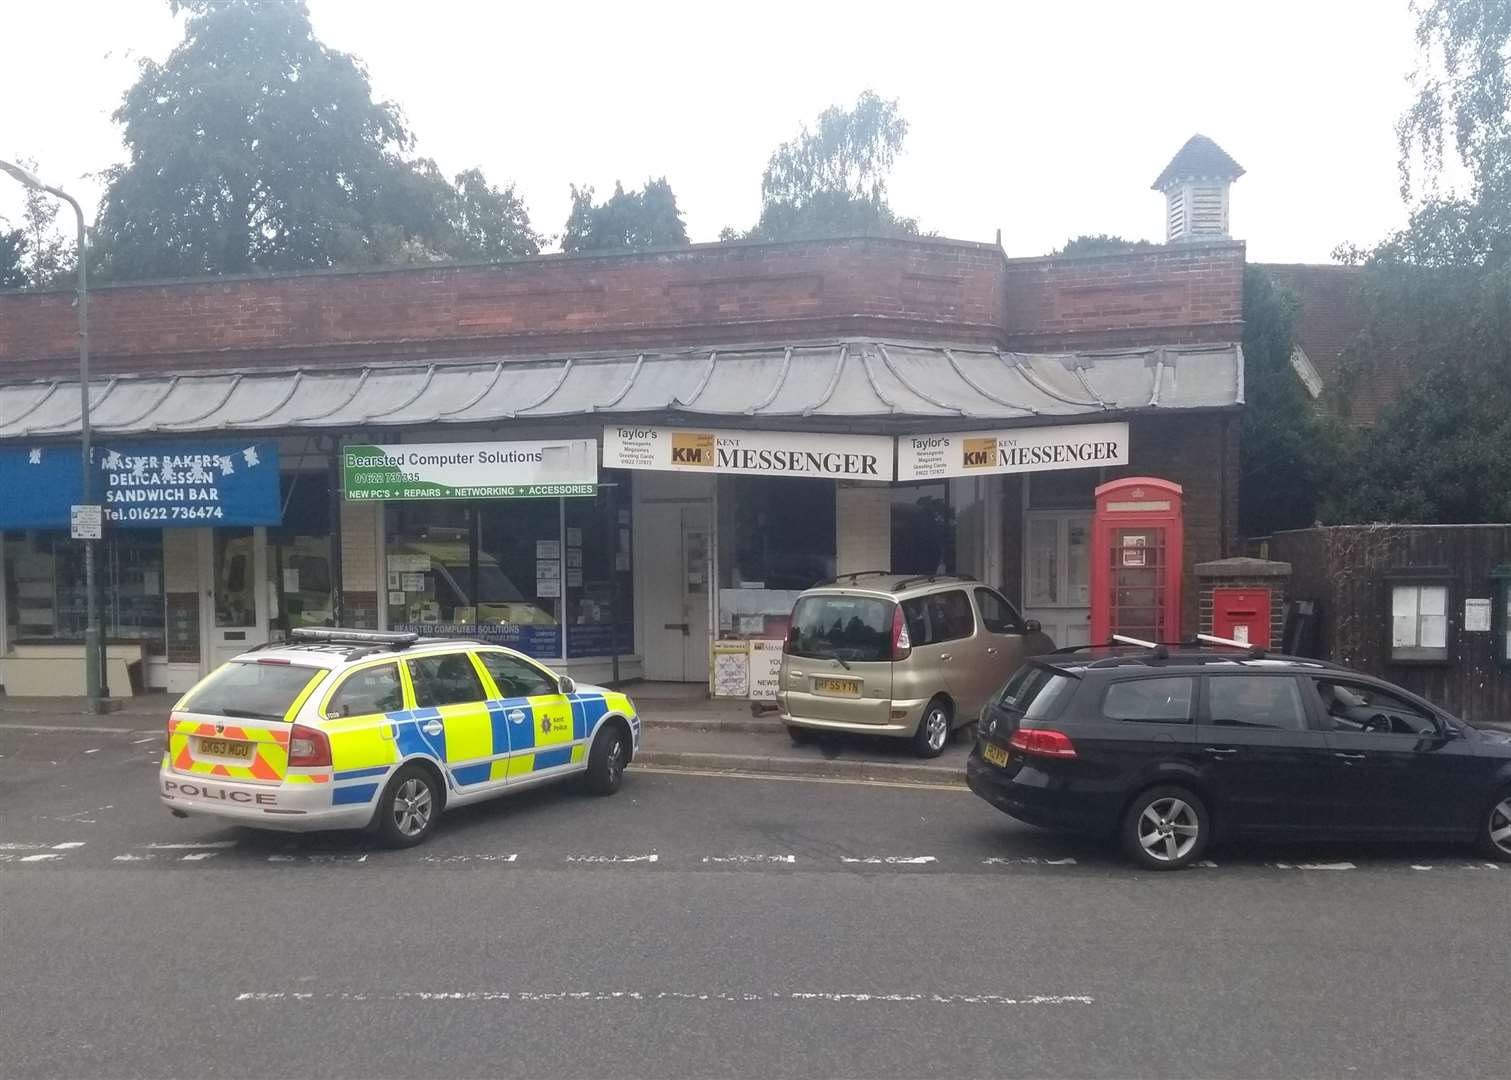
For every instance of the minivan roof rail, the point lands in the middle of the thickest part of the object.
(852, 577)
(929, 579)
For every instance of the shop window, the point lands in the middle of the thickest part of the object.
(776, 538)
(1500, 612)
(923, 529)
(1419, 621)
(299, 554)
(44, 587)
(598, 584)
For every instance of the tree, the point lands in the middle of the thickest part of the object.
(1101, 244)
(1283, 441)
(256, 147)
(50, 252)
(832, 180)
(12, 252)
(627, 221)
(1439, 292)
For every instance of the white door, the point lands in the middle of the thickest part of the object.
(1057, 573)
(234, 573)
(675, 542)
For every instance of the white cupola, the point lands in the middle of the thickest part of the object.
(1195, 185)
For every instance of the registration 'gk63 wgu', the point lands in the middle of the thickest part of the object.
(354, 729)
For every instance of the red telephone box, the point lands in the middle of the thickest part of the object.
(1136, 560)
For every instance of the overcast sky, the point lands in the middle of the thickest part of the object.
(1043, 119)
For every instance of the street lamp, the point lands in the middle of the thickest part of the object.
(94, 665)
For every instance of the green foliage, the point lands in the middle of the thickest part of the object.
(832, 181)
(627, 221)
(1101, 244)
(1284, 443)
(256, 147)
(12, 252)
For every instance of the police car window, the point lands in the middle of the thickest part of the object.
(371, 690)
(449, 679)
(1150, 701)
(514, 677)
(251, 691)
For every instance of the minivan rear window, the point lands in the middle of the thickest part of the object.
(848, 627)
(1033, 691)
(251, 691)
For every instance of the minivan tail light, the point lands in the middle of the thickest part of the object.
(902, 644)
(309, 747)
(1044, 742)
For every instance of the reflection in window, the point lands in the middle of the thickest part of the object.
(775, 532)
(597, 580)
(299, 555)
(44, 586)
(923, 529)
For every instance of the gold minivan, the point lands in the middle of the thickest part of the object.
(904, 655)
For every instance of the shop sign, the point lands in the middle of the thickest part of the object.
(471, 470)
(144, 485)
(1018, 450)
(760, 453)
(532, 640)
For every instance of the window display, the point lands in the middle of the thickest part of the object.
(776, 539)
(596, 578)
(44, 587)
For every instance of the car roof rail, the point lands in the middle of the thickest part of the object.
(929, 579)
(853, 577)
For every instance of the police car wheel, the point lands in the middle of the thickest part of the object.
(408, 808)
(606, 761)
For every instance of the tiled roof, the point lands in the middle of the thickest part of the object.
(1200, 157)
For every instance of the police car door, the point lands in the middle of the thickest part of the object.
(543, 727)
(452, 714)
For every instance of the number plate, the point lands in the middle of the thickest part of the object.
(995, 754)
(837, 687)
(226, 748)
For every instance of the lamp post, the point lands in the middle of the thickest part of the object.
(94, 666)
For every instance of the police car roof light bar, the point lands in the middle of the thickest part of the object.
(335, 635)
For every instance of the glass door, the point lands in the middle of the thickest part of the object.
(236, 595)
(1057, 573)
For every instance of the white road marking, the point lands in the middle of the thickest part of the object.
(48, 729)
(531, 996)
(21, 847)
(318, 858)
(613, 858)
(1416, 866)
(891, 860)
(195, 856)
(67, 845)
(469, 858)
(138, 742)
(1207, 864)
(1316, 866)
(1026, 860)
(133, 858)
(191, 847)
(40, 858)
(750, 858)
(96, 750)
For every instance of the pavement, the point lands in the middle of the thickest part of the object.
(723, 925)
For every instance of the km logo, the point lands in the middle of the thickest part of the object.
(693, 448)
(979, 453)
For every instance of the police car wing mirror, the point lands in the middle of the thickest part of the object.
(566, 686)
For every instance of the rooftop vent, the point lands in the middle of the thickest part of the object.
(1195, 185)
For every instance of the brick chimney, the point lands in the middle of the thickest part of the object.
(1195, 185)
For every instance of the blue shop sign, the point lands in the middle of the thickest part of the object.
(144, 485)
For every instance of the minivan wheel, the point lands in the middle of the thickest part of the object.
(933, 731)
(800, 736)
(1166, 828)
(1495, 837)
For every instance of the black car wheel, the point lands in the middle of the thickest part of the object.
(1166, 828)
(606, 760)
(409, 807)
(933, 730)
(1496, 837)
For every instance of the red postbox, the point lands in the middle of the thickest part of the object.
(1136, 559)
(1242, 615)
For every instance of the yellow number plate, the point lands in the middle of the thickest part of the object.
(995, 754)
(837, 687)
(226, 748)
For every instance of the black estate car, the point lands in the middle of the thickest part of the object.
(1173, 748)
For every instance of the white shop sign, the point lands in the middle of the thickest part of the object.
(1016, 450)
(470, 470)
(761, 453)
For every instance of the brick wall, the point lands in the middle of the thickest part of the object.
(863, 528)
(705, 295)
(360, 588)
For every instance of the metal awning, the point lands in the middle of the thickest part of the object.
(853, 382)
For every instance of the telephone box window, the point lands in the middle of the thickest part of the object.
(1419, 622)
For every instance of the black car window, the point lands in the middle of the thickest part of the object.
(1165, 700)
(997, 615)
(1255, 701)
(1358, 707)
(516, 678)
(448, 679)
(1033, 691)
(370, 690)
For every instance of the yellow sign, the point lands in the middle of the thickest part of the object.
(693, 448)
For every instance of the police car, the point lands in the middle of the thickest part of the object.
(348, 729)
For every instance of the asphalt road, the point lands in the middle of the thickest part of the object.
(714, 926)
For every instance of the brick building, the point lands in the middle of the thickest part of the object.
(618, 463)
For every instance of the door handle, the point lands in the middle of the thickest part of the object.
(945, 656)
(432, 728)
(991, 650)
(686, 628)
(1350, 758)
(1218, 751)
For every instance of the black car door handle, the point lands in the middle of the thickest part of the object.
(1217, 751)
(1349, 757)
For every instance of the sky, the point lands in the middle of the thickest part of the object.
(1045, 120)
